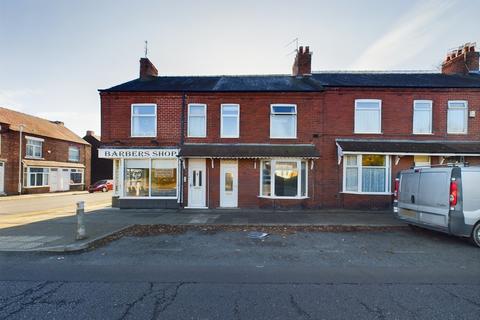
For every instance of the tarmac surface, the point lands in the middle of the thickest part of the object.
(405, 274)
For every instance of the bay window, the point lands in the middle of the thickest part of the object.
(283, 121)
(366, 173)
(76, 176)
(422, 117)
(144, 120)
(230, 121)
(457, 117)
(197, 120)
(36, 177)
(289, 178)
(368, 116)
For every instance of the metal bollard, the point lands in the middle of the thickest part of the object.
(81, 233)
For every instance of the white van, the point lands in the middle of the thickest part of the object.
(444, 198)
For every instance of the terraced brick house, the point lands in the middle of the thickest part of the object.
(39, 156)
(305, 140)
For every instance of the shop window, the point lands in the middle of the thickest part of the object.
(144, 120)
(76, 176)
(34, 147)
(73, 154)
(289, 179)
(368, 116)
(230, 121)
(137, 178)
(457, 117)
(367, 173)
(283, 121)
(36, 177)
(164, 178)
(197, 120)
(422, 117)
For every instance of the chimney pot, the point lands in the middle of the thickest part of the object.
(90, 133)
(302, 65)
(462, 60)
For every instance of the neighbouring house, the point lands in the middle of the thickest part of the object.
(101, 169)
(38, 155)
(307, 139)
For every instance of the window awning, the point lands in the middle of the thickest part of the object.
(408, 147)
(53, 164)
(249, 151)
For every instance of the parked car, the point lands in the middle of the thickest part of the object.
(102, 185)
(445, 199)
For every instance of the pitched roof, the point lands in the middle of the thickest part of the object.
(410, 147)
(218, 150)
(38, 126)
(287, 83)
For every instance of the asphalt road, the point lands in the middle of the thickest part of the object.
(17, 205)
(225, 275)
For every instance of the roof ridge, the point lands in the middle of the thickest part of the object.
(31, 116)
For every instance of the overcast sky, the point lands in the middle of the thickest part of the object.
(55, 54)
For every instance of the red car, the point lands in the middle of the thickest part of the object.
(102, 185)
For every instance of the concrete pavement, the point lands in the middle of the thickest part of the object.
(58, 234)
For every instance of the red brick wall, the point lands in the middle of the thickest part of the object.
(329, 115)
(58, 152)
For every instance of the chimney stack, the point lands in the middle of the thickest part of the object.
(147, 69)
(303, 62)
(90, 133)
(461, 60)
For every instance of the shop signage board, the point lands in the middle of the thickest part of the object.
(137, 153)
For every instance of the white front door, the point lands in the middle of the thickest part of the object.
(65, 180)
(2, 177)
(53, 180)
(228, 184)
(196, 183)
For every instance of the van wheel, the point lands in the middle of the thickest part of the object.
(476, 235)
(104, 189)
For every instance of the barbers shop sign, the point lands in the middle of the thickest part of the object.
(137, 153)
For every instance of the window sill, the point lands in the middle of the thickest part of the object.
(458, 133)
(368, 193)
(282, 198)
(34, 158)
(291, 138)
(367, 132)
(36, 187)
(423, 134)
(196, 136)
(146, 137)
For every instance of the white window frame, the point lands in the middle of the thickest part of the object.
(30, 138)
(77, 171)
(388, 175)
(132, 135)
(78, 152)
(295, 115)
(46, 172)
(430, 102)
(204, 135)
(465, 103)
(356, 131)
(222, 135)
(273, 163)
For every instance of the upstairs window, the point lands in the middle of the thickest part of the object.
(283, 121)
(230, 123)
(457, 117)
(422, 117)
(73, 154)
(368, 116)
(144, 120)
(197, 120)
(34, 147)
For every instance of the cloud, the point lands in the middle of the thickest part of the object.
(13, 99)
(412, 33)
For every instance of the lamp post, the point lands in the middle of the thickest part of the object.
(22, 126)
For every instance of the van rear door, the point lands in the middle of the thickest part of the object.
(433, 196)
(407, 194)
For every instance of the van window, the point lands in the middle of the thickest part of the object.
(408, 186)
(471, 192)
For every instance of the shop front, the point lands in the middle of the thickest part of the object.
(144, 178)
